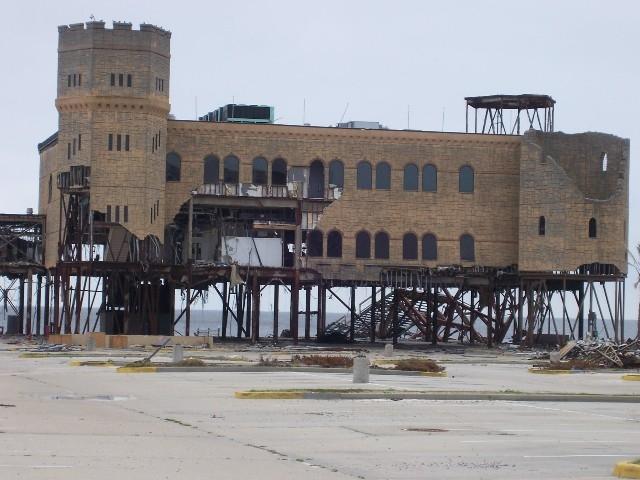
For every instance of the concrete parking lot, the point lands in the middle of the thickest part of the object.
(58, 421)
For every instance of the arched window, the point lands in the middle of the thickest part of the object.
(381, 245)
(211, 169)
(364, 176)
(593, 228)
(383, 176)
(542, 226)
(279, 172)
(409, 247)
(314, 243)
(316, 179)
(334, 244)
(50, 188)
(259, 172)
(429, 247)
(363, 245)
(467, 248)
(173, 167)
(336, 173)
(429, 178)
(465, 179)
(411, 178)
(231, 169)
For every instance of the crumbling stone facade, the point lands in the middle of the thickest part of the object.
(517, 179)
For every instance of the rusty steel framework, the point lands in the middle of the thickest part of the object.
(107, 280)
(526, 111)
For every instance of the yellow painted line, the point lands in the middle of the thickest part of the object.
(137, 369)
(434, 374)
(627, 470)
(270, 395)
(544, 371)
(34, 355)
(632, 377)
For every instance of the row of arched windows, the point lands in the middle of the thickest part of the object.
(592, 227)
(411, 178)
(364, 173)
(410, 251)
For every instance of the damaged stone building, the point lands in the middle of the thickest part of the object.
(444, 229)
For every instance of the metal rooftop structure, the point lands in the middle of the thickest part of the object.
(494, 106)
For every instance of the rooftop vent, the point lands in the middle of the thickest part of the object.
(240, 114)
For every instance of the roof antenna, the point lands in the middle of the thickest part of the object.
(346, 107)
(442, 128)
(304, 111)
(408, 117)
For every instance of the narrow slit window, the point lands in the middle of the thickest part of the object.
(68, 80)
(74, 146)
(542, 226)
(108, 213)
(79, 141)
(68, 151)
(113, 79)
(125, 213)
(117, 213)
(129, 80)
(126, 142)
(74, 79)
(110, 143)
(79, 79)
(121, 79)
(593, 228)
(119, 142)
(604, 161)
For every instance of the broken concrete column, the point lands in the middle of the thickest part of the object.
(91, 344)
(554, 357)
(361, 369)
(388, 350)
(178, 353)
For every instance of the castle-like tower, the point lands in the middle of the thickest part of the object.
(113, 102)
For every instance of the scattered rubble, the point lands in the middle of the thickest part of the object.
(600, 354)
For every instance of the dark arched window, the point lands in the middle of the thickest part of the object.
(336, 173)
(383, 176)
(429, 178)
(467, 248)
(465, 179)
(411, 178)
(429, 247)
(314, 243)
(279, 172)
(231, 169)
(542, 226)
(334, 244)
(211, 169)
(173, 167)
(316, 179)
(593, 228)
(409, 247)
(363, 245)
(259, 173)
(364, 176)
(381, 245)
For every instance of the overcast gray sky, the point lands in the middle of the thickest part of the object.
(377, 56)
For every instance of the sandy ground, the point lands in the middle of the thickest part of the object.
(58, 421)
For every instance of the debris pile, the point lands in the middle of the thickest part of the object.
(602, 353)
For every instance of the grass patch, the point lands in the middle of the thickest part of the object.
(139, 363)
(324, 361)
(417, 365)
(636, 461)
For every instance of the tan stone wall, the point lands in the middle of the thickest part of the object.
(94, 109)
(562, 180)
(490, 214)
